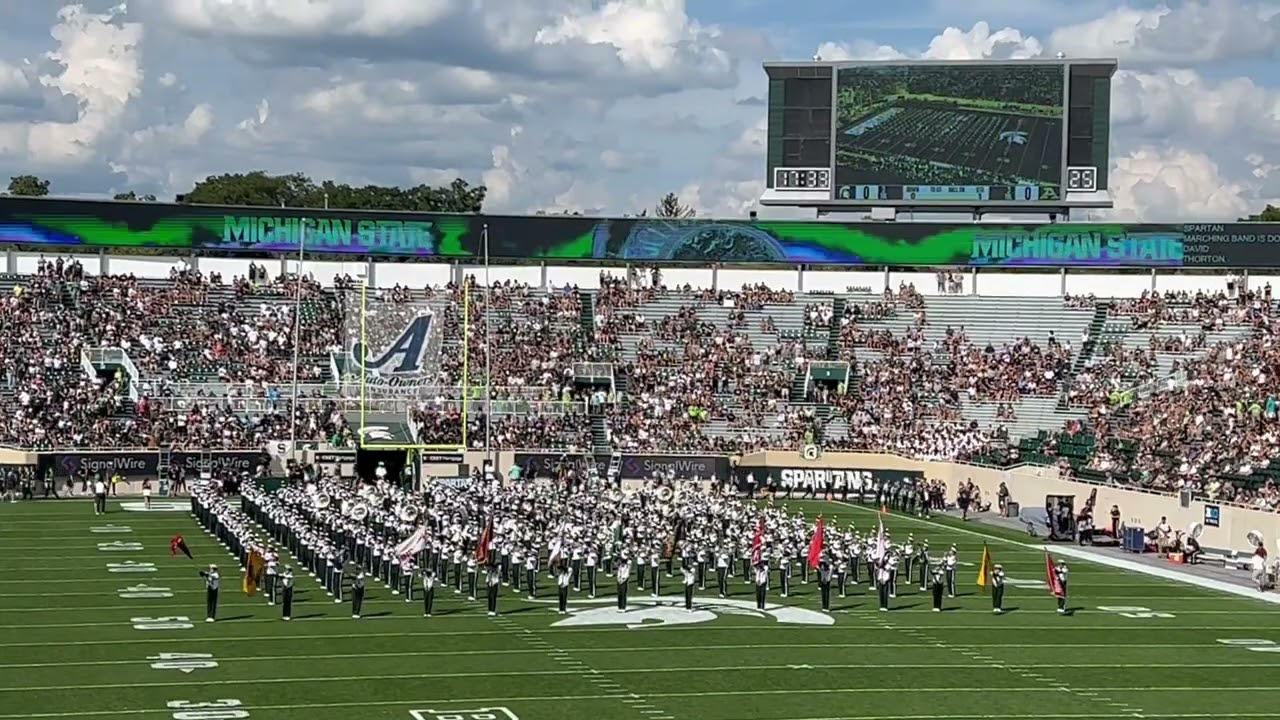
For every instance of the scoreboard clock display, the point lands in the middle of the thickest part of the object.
(1012, 133)
(802, 178)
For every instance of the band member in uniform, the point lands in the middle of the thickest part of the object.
(272, 569)
(473, 574)
(622, 576)
(949, 564)
(939, 584)
(824, 584)
(563, 577)
(882, 585)
(428, 591)
(211, 580)
(286, 586)
(997, 590)
(494, 580)
(1061, 572)
(690, 578)
(357, 595)
(593, 558)
(722, 571)
(531, 572)
(762, 584)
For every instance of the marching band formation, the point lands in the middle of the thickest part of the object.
(586, 537)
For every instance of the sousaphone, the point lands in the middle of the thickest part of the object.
(322, 501)
(1255, 538)
(1195, 530)
(359, 512)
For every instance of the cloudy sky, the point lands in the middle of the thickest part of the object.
(590, 105)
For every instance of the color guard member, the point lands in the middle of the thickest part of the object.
(286, 586)
(562, 580)
(494, 581)
(357, 595)
(690, 578)
(997, 590)
(1061, 572)
(623, 575)
(762, 584)
(824, 584)
(428, 592)
(211, 580)
(939, 584)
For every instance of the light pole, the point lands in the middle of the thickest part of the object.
(488, 348)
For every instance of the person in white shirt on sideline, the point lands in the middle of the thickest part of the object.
(99, 497)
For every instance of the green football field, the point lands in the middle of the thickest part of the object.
(97, 620)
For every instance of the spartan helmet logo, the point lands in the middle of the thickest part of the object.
(670, 611)
(376, 434)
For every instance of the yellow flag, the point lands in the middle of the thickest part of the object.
(985, 571)
(253, 571)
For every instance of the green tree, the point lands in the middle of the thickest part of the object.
(671, 207)
(1270, 213)
(28, 186)
(259, 188)
(132, 196)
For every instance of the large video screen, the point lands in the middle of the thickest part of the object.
(949, 132)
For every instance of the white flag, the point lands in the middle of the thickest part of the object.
(413, 544)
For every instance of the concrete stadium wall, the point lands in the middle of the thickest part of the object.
(1028, 486)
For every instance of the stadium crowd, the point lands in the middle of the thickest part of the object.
(685, 378)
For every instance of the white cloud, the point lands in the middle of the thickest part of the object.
(653, 44)
(1171, 185)
(98, 61)
(977, 43)
(1191, 33)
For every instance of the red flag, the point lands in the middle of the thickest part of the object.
(1051, 577)
(486, 540)
(177, 543)
(815, 545)
(757, 543)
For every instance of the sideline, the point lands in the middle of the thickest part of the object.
(1096, 558)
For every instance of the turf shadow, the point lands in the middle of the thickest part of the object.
(236, 617)
(308, 616)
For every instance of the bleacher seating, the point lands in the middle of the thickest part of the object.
(1080, 382)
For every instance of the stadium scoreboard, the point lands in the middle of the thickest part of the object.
(1026, 134)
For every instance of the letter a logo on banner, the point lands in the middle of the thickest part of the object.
(404, 356)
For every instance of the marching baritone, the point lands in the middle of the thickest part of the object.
(997, 590)
(286, 588)
(493, 580)
(357, 595)
(690, 578)
(563, 576)
(428, 591)
(1061, 572)
(211, 580)
(762, 584)
(824, 584)
(939, 584)
(622, 576)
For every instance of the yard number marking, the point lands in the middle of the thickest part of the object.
(212, 710)
(1134, 611)
(490, 713)
(177, 622)
(129, 566)
(119, 546)
(110, 529)
(144, 592)
(185, 663)
(1253, 644)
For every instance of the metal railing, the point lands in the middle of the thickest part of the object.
(219, 390)
(93, 357)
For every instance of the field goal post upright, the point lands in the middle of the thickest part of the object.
(395, 355)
